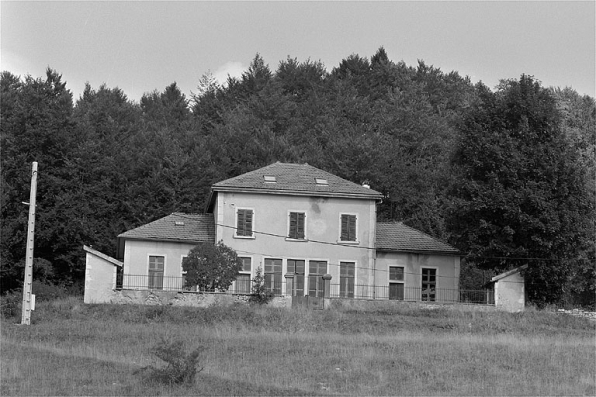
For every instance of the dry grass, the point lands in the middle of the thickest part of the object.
(73, 349)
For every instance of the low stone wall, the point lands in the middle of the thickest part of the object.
(172, 298)
(363, 304)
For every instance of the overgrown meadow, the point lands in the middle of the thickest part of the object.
(76, 349)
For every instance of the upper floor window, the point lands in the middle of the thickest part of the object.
(244, 222)
(296, 225)
(348, 228)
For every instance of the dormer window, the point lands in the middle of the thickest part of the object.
(321, 181)
(269, 179)
(179, 223)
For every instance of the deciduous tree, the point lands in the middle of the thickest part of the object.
(211, 267)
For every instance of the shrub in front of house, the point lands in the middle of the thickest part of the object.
(182, 367)
(260, 294)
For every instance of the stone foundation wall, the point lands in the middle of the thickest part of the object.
(171, 298)
(362, 304)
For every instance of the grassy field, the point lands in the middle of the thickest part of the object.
(77, 349)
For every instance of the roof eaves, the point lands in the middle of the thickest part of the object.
(290, 192)
(103, 256)
(169, 240)
(414, 251)
(507, 273)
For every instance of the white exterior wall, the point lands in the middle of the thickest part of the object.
(100, 279)
(271, 216)
(510, 293)
(137, 252)
(447, 271)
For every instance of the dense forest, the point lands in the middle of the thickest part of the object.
(505, 174)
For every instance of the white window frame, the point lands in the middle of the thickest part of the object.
(339, 240)
(355, 262)
(244, 272)
(236, 223)
(285, 267)
(403, 282)
(288, 238)
(436, 268)
(307, 272)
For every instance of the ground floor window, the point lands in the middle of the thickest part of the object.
(156, 269)
(243, 283)
(273, 275)
(396, 283)
(316, 286)
(346, 279)
(297, 267)
(429, 284)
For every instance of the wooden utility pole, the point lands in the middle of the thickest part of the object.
(27, 296)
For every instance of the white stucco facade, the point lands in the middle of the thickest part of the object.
(100, 276)
(509, 291)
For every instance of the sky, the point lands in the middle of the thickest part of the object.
(142, 46)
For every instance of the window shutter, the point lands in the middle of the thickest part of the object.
(300, 225)
(240, 228)
(344, 228)
(248, 228)
(352, 228)
(293, 230)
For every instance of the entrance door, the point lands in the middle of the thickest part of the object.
(156, 268)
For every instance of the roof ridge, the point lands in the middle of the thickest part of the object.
(297, 178)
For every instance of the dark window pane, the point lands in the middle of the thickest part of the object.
(396, 273)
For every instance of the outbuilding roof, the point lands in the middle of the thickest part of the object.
(507, 274)
(177, 226)
(301, 179)
(397, 237)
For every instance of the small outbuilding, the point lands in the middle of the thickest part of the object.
(100, 276)
(509, 290)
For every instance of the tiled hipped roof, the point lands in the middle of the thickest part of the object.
(397, 237)
(193, 228)
(297, 179)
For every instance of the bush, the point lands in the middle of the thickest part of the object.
(45, 292)
(260, 294)
(181, 367)
(10, 303)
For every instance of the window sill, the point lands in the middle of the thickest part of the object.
(348, 242)
(297, 240)
(245, 237)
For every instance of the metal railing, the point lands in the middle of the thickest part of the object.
(385, 292)
(411, 294)
(176, 284)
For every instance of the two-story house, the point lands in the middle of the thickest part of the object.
(297, 223)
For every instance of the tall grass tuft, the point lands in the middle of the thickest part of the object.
(182, 366)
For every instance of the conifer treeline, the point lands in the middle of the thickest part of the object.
(503, 173)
